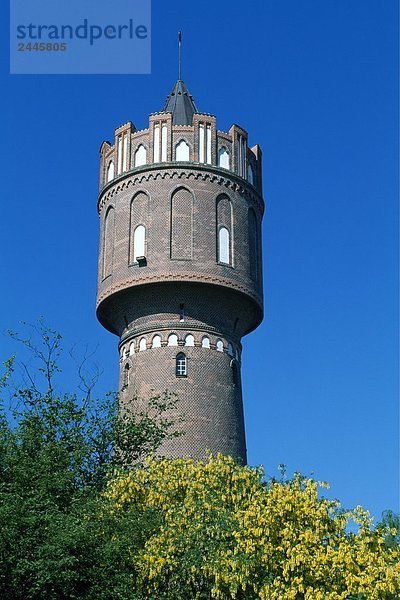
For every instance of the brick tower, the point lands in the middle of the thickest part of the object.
(180, 276)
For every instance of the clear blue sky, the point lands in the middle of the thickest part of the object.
(315, 84)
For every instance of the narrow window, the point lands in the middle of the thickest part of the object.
(139, 239)
(156, 341)
(181, 365)
(140, 156)
(132, 348)
(110, 171)
(230, 349)
(250, 174)
(156, 145)
(182, 151)
(189, 340)
(223, 158)
(220, 346)
(123, 349)
(119, 155)
(142, 344)
(108, 243)
(181, 313)
(164, 143)
(201, 143)
(126, 375)
(208, 144)
(223, 246)
(243, 156)
(125, 153)
(235, 373)
(205, 342)
(253, 244)
(172, 339)
(181, 224)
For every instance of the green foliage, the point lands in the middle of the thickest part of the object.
(85, 515)
(56, 451)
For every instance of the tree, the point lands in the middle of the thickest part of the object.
(56, 452)
(218, 530)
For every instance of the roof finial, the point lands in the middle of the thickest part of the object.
(179, 55)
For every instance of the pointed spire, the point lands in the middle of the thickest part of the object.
(181, 104)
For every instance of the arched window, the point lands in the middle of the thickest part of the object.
(223, 246)
(156, 341)
(205, 342)
(164, 134)
(139, 238)
(140, 156)
(230, 349)
(253, 244)
(172, 339)
(182, 151)
(156, 145)
(132, 348)
(235, 372)
(142, 344)
(220, 346)
(108, 244)
(123, 350)
(126, 375)
(110, 171)
(189, 340)
(181, 365)
(250, 174)
(181, 224)
(223, 158)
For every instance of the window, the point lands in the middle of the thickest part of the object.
(223, 246)
(125, 151)
(181, 365)
(108, 243)
(208, 144)
(123, 350)
(156, 341)
(139, 239)
(250, 174)
(235, 372)
(164, 131)
(230, 349)
(205, 342)
(132, 348)
(220, 346)
(119, 154)
(156, 154)
(110, 171)
(182, 151)
(126, 375)
(223, 158)
(172, 339)
(181, 313)
(142, 344)
(201, 143)
(189, 340)
(140, 156)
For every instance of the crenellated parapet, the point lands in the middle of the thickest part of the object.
(163, 142)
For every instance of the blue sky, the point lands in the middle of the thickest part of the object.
(315, 84)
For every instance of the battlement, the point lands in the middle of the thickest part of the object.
(163, 141)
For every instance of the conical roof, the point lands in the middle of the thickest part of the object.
(181, 104)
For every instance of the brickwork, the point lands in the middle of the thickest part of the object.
(179, 286)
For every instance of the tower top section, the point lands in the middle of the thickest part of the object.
(181, 104)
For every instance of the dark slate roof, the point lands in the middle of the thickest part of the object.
(181, 104)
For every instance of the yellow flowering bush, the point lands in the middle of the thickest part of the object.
(218, 530)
